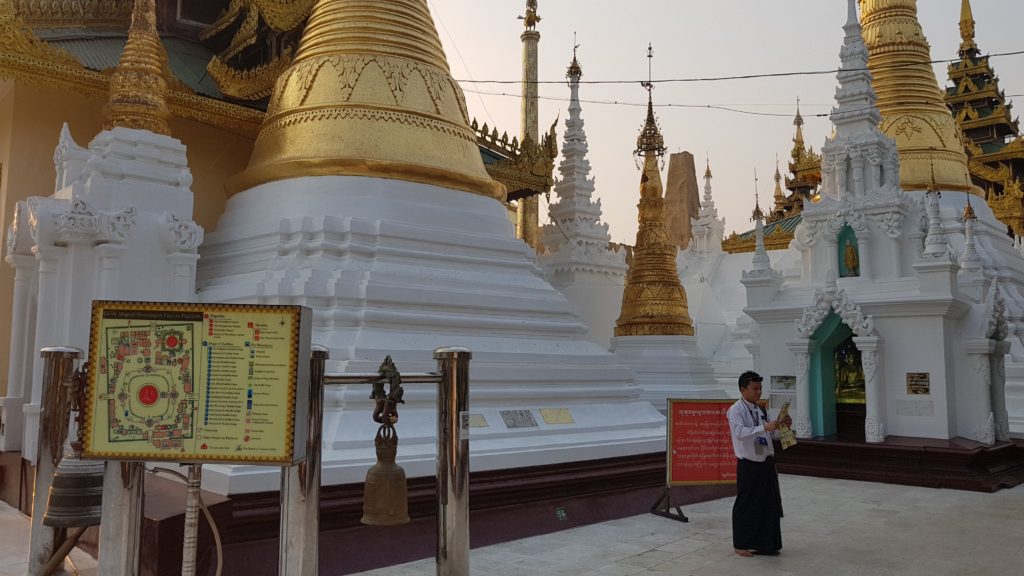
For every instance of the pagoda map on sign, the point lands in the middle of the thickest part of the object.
(188, 382)
(150, 383)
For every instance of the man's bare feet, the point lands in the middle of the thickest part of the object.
(744, 553)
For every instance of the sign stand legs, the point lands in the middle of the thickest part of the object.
(666, 510)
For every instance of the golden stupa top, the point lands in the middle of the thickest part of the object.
(369, 93)
(650, 138)
(968, 47)
(653, 301)
(138, 85)
(913, 111)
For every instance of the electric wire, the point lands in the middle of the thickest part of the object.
(831, 71)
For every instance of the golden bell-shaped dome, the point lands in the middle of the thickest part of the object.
(913, 111)
(369, 93)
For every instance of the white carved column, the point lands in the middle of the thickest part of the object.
(47, 318)
(833, 254)
(857, 165)
(181, 238)
(21, 357)
(864, 246)
(109, 257)
(998, 390)
(801, 350)
(874, 391)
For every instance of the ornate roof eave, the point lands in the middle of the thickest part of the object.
(778, 239)
(24, 57)
(252, 84)
(526, 168)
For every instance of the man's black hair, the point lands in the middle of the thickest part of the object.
(748, 377)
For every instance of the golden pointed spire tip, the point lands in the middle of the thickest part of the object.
(138, 85)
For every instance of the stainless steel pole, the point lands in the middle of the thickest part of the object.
(58, 367)
(188, 550)
(452, 553)
(300, 486)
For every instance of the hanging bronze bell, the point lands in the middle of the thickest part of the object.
(385, 494)
(76, 493)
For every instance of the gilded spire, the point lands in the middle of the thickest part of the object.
(758, 214)
(968, 48)
(369, 93)
(707, 171)
(798, 121)
(654, 301)
(912, 108)
(138, 86)
(779, 196)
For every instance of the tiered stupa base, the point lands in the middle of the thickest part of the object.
(399, 268)
(668, 367)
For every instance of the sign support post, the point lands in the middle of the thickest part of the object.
(299, 533)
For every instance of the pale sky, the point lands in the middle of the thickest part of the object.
(691, 39)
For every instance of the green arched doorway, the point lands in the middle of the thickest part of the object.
(836, 382)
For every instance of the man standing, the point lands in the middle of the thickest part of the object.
(756, 514)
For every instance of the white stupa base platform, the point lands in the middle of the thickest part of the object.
(397, 268)
(668, 367)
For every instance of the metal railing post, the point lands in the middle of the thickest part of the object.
(452, 554)
(300, 486)
(58, 368)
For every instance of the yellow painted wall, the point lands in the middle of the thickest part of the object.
(30, 121)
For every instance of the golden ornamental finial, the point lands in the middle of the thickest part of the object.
(707, 163)
(758, 214)
(138, 85)
(968, 209)
(968, 48)
(650, 141)
(531, 18)
(575, 71)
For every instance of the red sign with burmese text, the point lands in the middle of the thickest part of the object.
(699, 443)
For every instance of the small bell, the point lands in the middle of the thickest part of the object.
(76, 494)
(385, 494)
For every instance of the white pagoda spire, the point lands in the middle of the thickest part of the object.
(707, 228)
(762, 265)
(576, 239)
(860, 159)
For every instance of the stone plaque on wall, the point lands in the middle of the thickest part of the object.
(919, 383)
(518, 419)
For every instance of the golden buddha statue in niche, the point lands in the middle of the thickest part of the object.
(850, 259)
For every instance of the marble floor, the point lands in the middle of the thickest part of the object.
(832, 527)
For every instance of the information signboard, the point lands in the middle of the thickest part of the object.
(699, 444)
(201, 383)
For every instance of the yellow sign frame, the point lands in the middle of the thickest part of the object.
(145, 402)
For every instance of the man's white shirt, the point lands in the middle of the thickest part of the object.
(746, 424)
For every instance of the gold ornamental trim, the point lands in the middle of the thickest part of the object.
(251, 84)
(64, 14)
(387, 169)
(283, 15)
